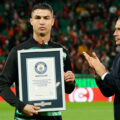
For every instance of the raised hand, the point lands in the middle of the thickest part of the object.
(95, 63)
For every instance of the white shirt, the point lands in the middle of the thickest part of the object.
(103, 76)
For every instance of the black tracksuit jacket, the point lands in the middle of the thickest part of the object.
(9, 74)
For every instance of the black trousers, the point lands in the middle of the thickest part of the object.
(17, 117)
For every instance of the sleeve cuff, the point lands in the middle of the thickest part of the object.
(20, 106)
(103, 76)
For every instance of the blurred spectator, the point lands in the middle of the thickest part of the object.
(81, 25)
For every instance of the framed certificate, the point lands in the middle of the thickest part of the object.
(41, 78)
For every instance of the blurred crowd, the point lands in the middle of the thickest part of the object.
(80, 25)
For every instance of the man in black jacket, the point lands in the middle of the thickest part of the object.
(42, 21)
(109, 82)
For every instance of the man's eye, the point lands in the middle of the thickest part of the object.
(37, 17)
(46, 18)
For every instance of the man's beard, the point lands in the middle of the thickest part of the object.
(42, 34)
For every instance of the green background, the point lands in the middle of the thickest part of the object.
(74, 111)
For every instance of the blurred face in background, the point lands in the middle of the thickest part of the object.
(42, 21)
(117, 32)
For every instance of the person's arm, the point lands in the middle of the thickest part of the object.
(7, 77)
(111, 82)
(105, 89)
(70, 77)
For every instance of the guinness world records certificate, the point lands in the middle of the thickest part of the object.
(41, 78)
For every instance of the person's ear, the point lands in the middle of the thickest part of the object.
(31, 21)
(53, 21)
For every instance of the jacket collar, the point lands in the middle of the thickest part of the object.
(33, 41)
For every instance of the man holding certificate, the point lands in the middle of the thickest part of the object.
(42, 21)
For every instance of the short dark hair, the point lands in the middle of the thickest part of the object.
(42, 6)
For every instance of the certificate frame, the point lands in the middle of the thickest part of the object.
(55, 103)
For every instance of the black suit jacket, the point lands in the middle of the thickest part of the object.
(111, 85)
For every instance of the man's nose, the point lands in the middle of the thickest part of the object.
(115, 33)
(42, 21)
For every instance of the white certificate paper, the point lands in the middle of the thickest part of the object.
(41, 79)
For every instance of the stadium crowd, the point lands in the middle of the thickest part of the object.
(80, 25)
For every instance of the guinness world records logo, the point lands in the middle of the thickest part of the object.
(40, 67)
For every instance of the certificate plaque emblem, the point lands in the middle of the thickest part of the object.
(40, 67)
(41, 78)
